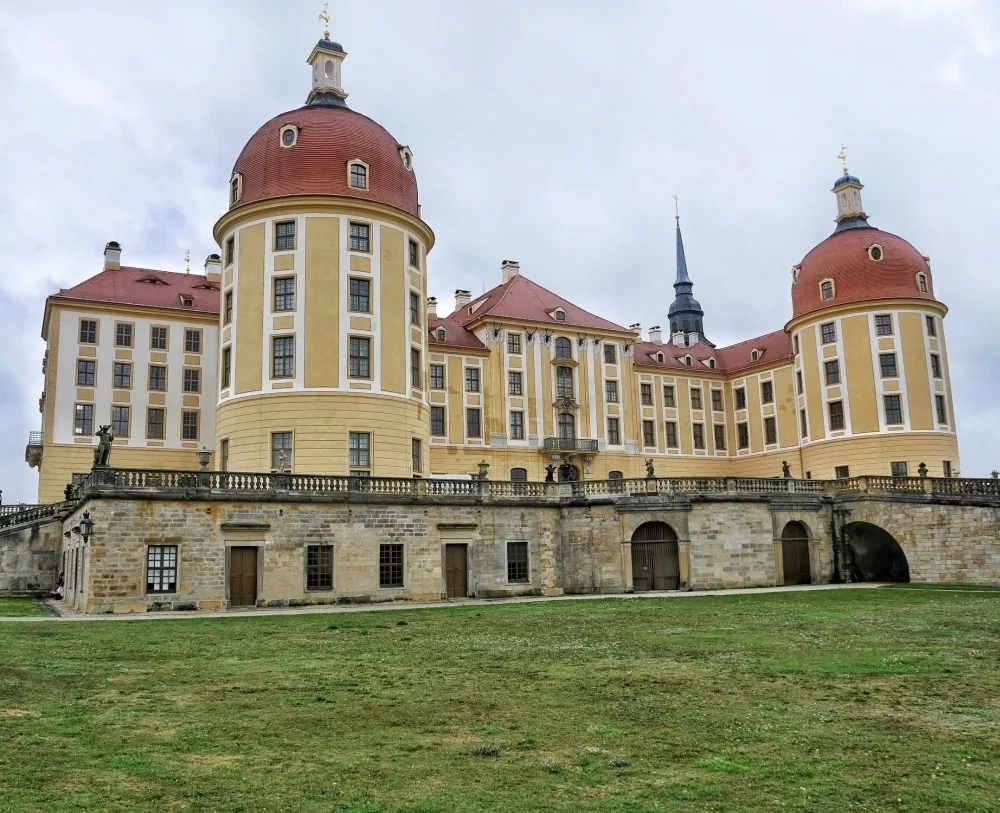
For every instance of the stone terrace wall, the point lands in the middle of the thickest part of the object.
(29, 557)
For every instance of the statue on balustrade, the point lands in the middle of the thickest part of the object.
(786, 470)
(650, 472)
(102, 454)
(550, 473)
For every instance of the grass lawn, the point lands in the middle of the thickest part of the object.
(864, 700)
(10, 607)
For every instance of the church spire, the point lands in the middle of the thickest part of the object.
(685, 313)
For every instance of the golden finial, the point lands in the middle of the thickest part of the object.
(324, 17)
(187, 261)
(677, 208)
(843, 157)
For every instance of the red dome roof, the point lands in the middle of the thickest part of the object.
(844, 257)
(328, 137)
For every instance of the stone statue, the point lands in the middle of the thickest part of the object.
(567, 473)
(102, 454)
(922, 469)
(68, 492)
(550, 472)
(786, 470)
(649, 467)
(282, 461)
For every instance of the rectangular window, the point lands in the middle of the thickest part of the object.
(836, 409)
(717, 400)
(161, 569)
(227, 366)
(390, 565)
(767, 392)
(803, 423)
(284, 235)
(611, 391)
(720, 437)
(88, 331)
(893, 409)
(123, 335)
(517, 562)
(942, 409)
(230, 250)
(698, 433)
(646, 394)
(437, 376)
(614, 436)
(887, 364)
(648, 433)
(281, 449)
(832, 369)
(931, 325)
(158, 338)
(415, 456)
(740, 395)
(935, 365)
(414, 254)
(359, 176)
(671, 434)
(360, 290)
(283, 357)
(946, 468)
(359, 357)
(564, 382)
(898, 468)
(120, 423)
(224, 455)
(189, 426)
(154, 423)
(360, 237)
(514, 343)
(796, 343)
(610, 354)
(668, 396)
(743, 435)
(472, 379)
(227, 311)
(83, 423)
(86, 373)
(883, 324)
(828, 332)
(798, 381)
(359, 445)
(192, 341)
(437, 421)
(415, 309)
(192, 381)
(770, 431)
(842, 472)
(473, 428)
(516, 425)
(696, 398)
(416, 367)
(319, 567)
(514, 383)
(157, 378)
(284, 294)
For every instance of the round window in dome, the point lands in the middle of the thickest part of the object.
(288, 138)
(875, 253)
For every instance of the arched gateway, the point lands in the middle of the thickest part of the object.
(655, 558)
(875, 555)
(795, 554)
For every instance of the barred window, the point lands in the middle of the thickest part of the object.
(473, 428)
(472, 379)
(123, 335)
(611, 391)
(614, 435)
(359, 176)
(670, 428)
(514, 383)
(740, 395)
(390, 565)
(192, 381)
(319, 567)
(86, 373)
(284, 294)
(154, 423)
(281, 442)
(437, 376)
(717, 400)
(284, 235)
(610, 354)
(161, 569)
(646, 394)
(668, 396)
(743, 435)
(437, 420)
(88, 331)
(514, 343)
(359, 446)
(158, 338)
(192, 341)
(283, 357)
(720, 437)
(416, 366)
(517, 562)
(564, 382)
(767, 392)
(360, 234)
(360, 295)
(564, 348)
(883, 324)
(648, 433)
(83, 423)
(120, 421)
(359, 357)
(893, 409)
(516, 425)
(836, 409)
(828, 332)
(189, 426)
(887, 365)
(832, 371)
(698, 434)
(157, 378)
(770, 431)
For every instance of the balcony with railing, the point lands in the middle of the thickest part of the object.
(584, 445)
(33, 449)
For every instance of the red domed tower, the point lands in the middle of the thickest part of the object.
(872, 383)
(324, 283)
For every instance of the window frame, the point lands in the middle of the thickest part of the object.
(698, 435)
(391, 565)
(841, 472)
(116, 422)
(150, 379)
(767, 392)
(153, 339)
(359, 168)
(437, 382)
(941, 408)
(230, 251)
(740, 398)
(167, 563)
(416, 368)
(319, 568)
(443, 422)
(716, 399)
(226, 368)
(193, 341)
(517, 424)
(831, 372)
(559, 346)
(770, 431)
(161, 424)
(611, 390)
(283, 301)
(930, 325)
(719, 436)
(614, 431)
(95, 333)
(515, 382)
(742, 435)
(936, 366)
(828, 333)
(415, 314)
(670, 434)
(514, 344)
(416, 455)
(827, 290)
(276, 449)
(80, 427)
(359, 450)
(884, 325)
(473, 380)
(286, 358)
(899, 468)
(285, 235)
(363, 368)
(883, 366)
(518, 562)
(358, 302)
(613, 348)
(89, 371)
(355, 240)
(836, 415)
(469, 413)
(185, 425)
(696, 398)
(646, 394)
(896, 410)
(565, 382)
(122, 329)
(227, 307)
(648, 434)
(414, 254)
(669, 396)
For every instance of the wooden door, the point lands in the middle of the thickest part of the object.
(242, 577)
(655, 566)
(795, 554)
(456, 570)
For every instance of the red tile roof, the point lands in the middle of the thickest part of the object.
(328, 138)
(772, 347)
(455, 335)
(520, 298)
(128, 286)
(843, 257)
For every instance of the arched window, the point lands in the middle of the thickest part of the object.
(564, 348)
(826, 289)
(359, 175)
(564, 382)
(567, 426)
(687, 325)
(615, 475)
(235, 189)
(843, 201)
(519, 475)
(922, 283)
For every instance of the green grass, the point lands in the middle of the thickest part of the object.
(19, 607)
(865, 700)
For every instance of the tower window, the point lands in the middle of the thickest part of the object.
(283, 357)
(931, 326)
(359, 357)
(883, 324)
(360, 237)
(360, 295)
(893, 409)
(826, 289)
(235, 189)
(289, 135)
(284, 236)
(359, 175)
(828, 332)
(284, 294)
(935, 365)
(922, 283)
(832, 370)
(887, 365)
(836, 415)
(942, 410)
(875, 253)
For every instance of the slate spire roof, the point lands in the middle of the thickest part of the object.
(685, 313)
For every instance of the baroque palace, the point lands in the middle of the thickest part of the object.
(300, 418)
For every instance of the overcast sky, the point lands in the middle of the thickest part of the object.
(552, 133)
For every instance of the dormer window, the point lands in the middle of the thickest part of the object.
(406, 155)
(289, 134)
(153, 281)
(922, 283)
(687, 361)
(711, 363)
(357, 174)
(754, 355)
(875, 253)
(795, 272)
(559, 315)
(826, 289)
(659, 357)
(187, 301)
(440, 334)
(235, 189)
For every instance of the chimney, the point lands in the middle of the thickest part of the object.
(462, 298)
(213, 268)
(654, 335)
(508, 270)
(636, 328)
(432, 307)
(113, 256)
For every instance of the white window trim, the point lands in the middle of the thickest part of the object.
(281, 136)
(368, 174)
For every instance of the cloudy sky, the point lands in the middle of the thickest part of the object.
(553, 132)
